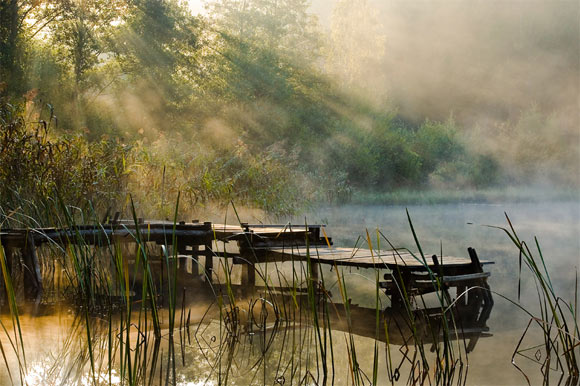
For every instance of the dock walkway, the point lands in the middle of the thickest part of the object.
(254, 244)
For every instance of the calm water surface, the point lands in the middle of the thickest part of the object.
(454, 228)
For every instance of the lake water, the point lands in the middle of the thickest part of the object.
(55, 336)
(454, 228)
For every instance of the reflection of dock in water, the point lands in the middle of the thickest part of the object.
(464, 320)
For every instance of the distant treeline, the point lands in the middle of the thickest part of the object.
(238, 104)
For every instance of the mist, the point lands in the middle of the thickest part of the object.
(508, 72)
(481, 60)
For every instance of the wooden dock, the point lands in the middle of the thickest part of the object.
(252, 244)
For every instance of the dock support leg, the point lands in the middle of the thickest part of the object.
(444, 287)
(314, 275)
(8, 258)
(314, 271)
(248, 276)
(402, 287)
(474, 297)
(208, 262)
(195, 260)
(460, 290)
(32, 277)
(182, 260)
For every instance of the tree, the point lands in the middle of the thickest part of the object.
(83, 30)
(281, 25)
(262, 47)
(357, 47)
(14, 33)
(156, 50)
(9, 43)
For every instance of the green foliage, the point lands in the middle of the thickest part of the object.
(11, 49)
(38, 166)
(397, 163)
(78, 34)
(264, 180)
(390, 156)
(437, 143)
(534, 148)
(485, 171)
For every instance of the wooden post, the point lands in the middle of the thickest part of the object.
(208, 262)
(208, 255)
(439, 271)
(475, 264)
(181, 259)
(313, 232)
(8, 257)
(314, 271)
(195, 260)
(400, 284)
(248, 275)
(32, 277)
(475, 296)
(459, 290)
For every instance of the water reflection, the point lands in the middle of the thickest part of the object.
(275, 337)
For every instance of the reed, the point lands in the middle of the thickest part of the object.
(556, 316)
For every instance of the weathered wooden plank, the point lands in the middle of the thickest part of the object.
(100, 236)
(363, 258)
(163, 232)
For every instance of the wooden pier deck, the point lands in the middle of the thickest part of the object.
(360, 257)
(253, 244)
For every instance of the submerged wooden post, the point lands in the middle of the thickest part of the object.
(314, 271)
(32, 277)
